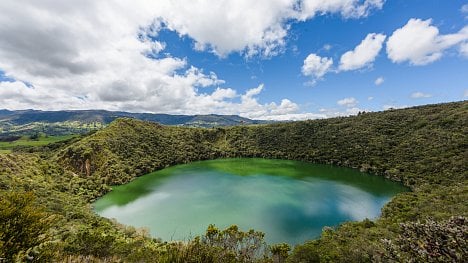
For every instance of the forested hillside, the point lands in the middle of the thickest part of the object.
(417, 146)
(423, 147)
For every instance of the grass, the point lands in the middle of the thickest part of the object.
(7, 147)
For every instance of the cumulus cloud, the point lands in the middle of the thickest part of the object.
(316, 66)
(220, 94)
(364, 54)
(465, 93)
(420, 95)
(250, 107)
(420, 43)
(230, 26)
(19, 95)
(348, 102)
(106, 54)
(252, 28)
(379, 81)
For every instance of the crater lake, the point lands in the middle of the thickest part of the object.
(289, 201)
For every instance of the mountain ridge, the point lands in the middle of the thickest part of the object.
(81, 121)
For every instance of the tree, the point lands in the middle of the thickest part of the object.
(280, 252)
(34, 136)
(23, 224)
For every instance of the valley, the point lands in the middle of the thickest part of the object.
(423, 148)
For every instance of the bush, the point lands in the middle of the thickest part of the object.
(23, 224)
(430, 241)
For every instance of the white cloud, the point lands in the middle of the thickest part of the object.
(330, 112)
(420, 43)
(17, 95)
(296, 117)
(364, 54)
(370, 98)
(220, 94)
(286, 107)
(327, 47)
(465, 93)
(393, 107)
(464, 10)
(106, 54)
(230, 26)
(379, 81)
(347, 8)
(316, 66)
(464, 49)
(249, 27)
(353, 111)
(420, 95)
(250, 107)
(348, 102)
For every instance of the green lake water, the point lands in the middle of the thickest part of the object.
(289, 201)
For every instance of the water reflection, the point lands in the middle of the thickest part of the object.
(292, 208)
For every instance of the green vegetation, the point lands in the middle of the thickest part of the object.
(423, 147)
(23, 225)
(34, 140)
(431, 241)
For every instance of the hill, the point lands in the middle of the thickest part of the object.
(398, 144)
(424, 147)
(26, 122)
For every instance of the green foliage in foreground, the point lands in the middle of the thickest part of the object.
(33, 232)
(431, 241)
(423, 147)
(23, 225)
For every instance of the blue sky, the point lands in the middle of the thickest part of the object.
(175, 57)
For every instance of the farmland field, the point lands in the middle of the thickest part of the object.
(7, 147)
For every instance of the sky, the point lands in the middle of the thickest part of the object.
(263, 59)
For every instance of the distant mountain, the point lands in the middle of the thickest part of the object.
(4, 113)
(80, 121)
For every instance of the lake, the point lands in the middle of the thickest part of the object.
(289, 201)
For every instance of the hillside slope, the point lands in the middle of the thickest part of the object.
(423, 147)
(418, 146)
